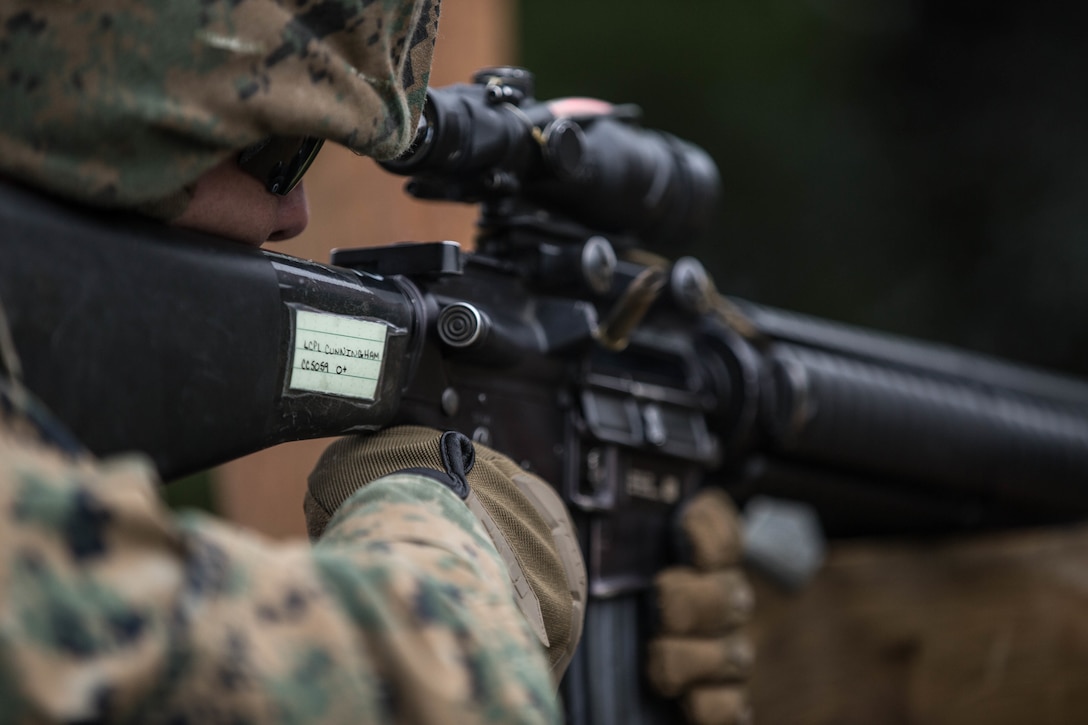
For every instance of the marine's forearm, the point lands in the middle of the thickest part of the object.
(115, 610)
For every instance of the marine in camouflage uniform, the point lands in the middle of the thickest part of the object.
(113, 608)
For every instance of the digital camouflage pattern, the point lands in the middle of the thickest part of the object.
(115, 611)
(122, 104)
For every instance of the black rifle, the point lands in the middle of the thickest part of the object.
(624, 380)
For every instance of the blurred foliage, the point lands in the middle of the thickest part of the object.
(915, 166)
(191, 492)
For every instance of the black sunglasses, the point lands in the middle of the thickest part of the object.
(279, 162)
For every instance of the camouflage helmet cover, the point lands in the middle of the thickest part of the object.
(123, 103)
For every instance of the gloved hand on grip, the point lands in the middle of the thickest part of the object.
(700, 654)
(523, 516)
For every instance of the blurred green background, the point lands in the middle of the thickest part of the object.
(918, 167)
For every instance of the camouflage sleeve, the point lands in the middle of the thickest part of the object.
(113, 610)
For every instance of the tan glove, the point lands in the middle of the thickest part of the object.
(523, 515)
(700, 654)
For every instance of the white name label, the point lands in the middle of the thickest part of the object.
(337, 355)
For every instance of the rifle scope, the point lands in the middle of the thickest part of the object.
(491, 140)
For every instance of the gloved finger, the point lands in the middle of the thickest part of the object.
(317, 516)
(691, 602)
(351, 462)
(673, 664)
(713, 530)
(717, 705)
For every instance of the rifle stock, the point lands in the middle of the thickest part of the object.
(139, 337)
